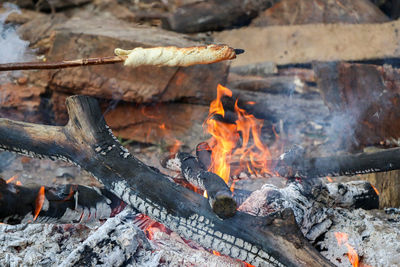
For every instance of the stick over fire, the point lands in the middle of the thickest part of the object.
(174, 56)
(171, 56)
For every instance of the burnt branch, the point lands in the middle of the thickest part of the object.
(87, 141)
(298, 166)
(219, 195)
(62, 204)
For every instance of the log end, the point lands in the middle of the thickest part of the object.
(224, 205)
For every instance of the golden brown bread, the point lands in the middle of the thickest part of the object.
(174, 56)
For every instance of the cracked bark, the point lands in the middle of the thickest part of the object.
(87, 141)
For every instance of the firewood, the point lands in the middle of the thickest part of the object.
(219, 195)
(62, 204)
(87, 141)
(361, 163)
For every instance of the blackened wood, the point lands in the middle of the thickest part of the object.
(63, 204)
(203, 153)
(219, 195)
(386, 160)
(214, 15)
(87, 141)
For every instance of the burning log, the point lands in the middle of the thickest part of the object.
(63, 204)
(87, 141)
(361, 163)
(218, 192)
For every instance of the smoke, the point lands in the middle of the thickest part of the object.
(12, 48)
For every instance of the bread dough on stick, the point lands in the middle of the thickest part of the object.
(176, 57)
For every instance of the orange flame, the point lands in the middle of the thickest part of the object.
(329, 179)
(216, 253)
(18, 183)
(39, 202)
(376, 190)
(253, 153)
(342, 239)
(12, 179)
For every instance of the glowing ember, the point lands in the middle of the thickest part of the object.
(253, 154)
(342, 239)
(175, 148)
(376, 190)
(216, 253)
(39, 202)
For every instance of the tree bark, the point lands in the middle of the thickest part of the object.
(87, 141)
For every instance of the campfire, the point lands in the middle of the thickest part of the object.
(181, 151)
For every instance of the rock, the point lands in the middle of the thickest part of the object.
(214, 15)
(21, 102)
(313, 42)
(47, 5)
(363, 99)
(292, 12)
(161, 124)
(79, 38)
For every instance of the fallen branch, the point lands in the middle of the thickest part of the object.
(62, 204)
(299, 166)
(87, 141)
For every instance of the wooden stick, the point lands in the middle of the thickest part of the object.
(61, 64)
(71, 63)
(87, 141)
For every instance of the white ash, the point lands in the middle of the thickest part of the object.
(373, 234)
(312, 217)
(115, 243)
(172, 250)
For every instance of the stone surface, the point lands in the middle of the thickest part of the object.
(364, 100)
(313, 42)
(48, 5)
(161, 124)
(291, 12)
(78, 38)
(21, 102)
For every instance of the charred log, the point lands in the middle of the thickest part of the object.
(219, 195)
(87, 141)
(62, 204)
(382, 161)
